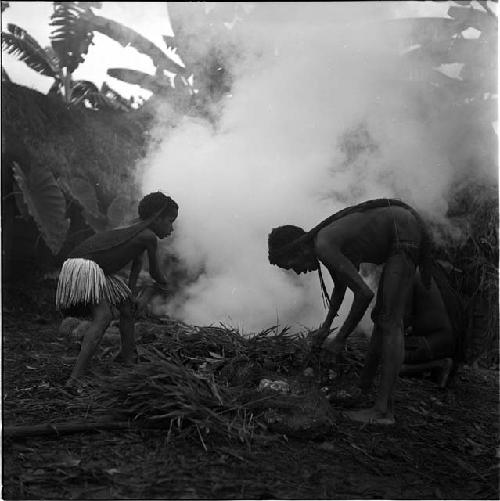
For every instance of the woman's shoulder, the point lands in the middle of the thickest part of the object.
(146, 235)
(109, 239)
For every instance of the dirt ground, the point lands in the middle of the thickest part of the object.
(443, 446)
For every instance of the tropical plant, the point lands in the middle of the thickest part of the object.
(469, 101)
(71, 37)
(166, 69)
(128, 37)
(43, 200)
(115, 99)
(201, 49)
(200, 82)
(436, 42)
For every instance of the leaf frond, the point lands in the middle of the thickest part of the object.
(34, 56)
(126, 36)
(152, 83)
(71, 34)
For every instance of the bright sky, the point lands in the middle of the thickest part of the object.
(150, 19)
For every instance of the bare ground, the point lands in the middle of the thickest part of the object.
(443, 446)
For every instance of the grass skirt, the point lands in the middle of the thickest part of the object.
(82, 283)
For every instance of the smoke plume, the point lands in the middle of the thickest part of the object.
(318, 119)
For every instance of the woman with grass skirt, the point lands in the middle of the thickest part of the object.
(88, 285)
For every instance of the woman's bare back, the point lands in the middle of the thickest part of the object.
(369, 236)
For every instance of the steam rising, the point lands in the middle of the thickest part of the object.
(318, 119)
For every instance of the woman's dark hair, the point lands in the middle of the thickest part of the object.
(279, 237)
(156, 203)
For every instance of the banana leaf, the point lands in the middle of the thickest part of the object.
(126, 36)
(46, 204)
(71, 34)
(20, 44)
(157, 85)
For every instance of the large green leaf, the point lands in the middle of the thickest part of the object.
(46, 204)
(22, 45)
(126, 36)
(83, 193)
(20, 203)
(157, 85)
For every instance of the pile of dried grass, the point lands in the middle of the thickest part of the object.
(202, 380)
(234, 358)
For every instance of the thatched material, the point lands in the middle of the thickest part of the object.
(83, 281)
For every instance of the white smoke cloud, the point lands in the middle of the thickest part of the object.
(309, 73)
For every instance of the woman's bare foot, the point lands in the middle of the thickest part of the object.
(372, 416)
(74, 386)
(127, 358)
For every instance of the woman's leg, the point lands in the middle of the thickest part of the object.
(398, 275)
(101, 318)
(128, 352)
(372, 360)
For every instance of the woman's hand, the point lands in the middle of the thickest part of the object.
(335, 346)
(319, 336)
